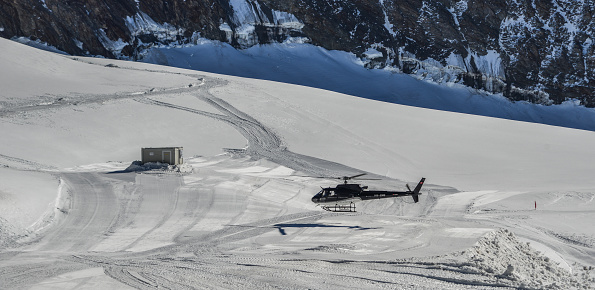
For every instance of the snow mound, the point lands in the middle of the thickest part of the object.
(8, 234)
(158, 167)
(12, 236)
(502, 255)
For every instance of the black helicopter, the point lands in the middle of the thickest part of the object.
(335, 198)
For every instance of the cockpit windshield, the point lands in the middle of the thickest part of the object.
(324, 193)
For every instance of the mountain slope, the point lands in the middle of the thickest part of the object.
(307, 65)
(539, 51)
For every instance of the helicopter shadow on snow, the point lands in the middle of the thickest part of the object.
(281, 227)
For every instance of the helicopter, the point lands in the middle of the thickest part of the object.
(345, 192)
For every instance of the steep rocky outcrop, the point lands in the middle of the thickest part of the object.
(535, 50)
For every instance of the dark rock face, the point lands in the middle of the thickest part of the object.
(541, 51)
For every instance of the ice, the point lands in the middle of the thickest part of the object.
(248, 14)
(287, 20)
(114, 46)
(142, 23)
(387, 24)
(45, 5)
(490, 64)
(372, 53)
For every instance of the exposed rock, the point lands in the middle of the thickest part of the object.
(540, 50)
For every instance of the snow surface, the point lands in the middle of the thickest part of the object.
(242, 217)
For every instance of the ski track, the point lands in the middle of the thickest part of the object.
(22, 164)
(122, 232)
(263, 142)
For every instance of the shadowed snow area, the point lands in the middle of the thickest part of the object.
(506, 203)
(308, 65)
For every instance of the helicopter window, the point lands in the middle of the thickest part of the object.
(319, 194)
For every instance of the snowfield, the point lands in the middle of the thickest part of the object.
(506, 203)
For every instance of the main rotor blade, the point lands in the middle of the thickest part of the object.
(342, 178)
(355, 176)
(326, 177)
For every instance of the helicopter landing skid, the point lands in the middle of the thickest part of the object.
(340, 207)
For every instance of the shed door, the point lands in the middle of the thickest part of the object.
(166, 157)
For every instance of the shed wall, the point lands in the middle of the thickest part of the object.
(169, 155)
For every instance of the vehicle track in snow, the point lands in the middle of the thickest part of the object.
(22, 164)
(263, 142)
(35, 270)
(89, 216)
(162, 193)
(145, 269)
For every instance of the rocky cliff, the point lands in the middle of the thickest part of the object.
(535, 50)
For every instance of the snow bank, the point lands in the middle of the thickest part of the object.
(158, 167)
(57, 211)
(13, 234)
(502, 255)
(24, 196)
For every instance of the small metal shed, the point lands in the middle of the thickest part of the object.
(169, 155)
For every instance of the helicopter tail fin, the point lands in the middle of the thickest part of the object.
(416, 193)
(415, 197)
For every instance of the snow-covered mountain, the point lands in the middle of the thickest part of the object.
(506, 203)
(308, 65)
(538, 51)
